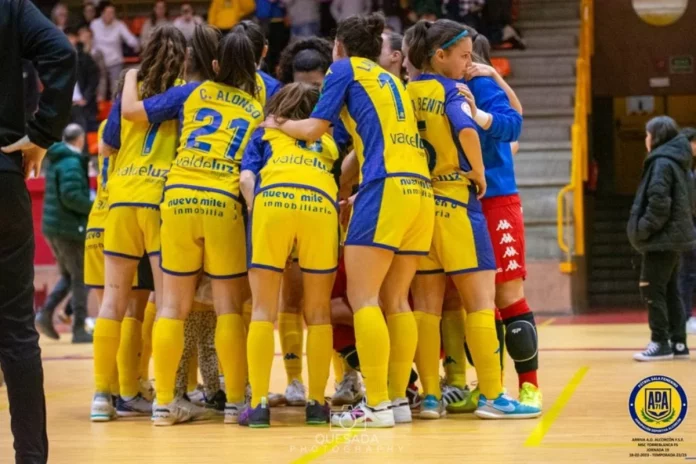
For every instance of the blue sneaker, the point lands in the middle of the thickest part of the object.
(258, 417)
(505, 407)
(136, 406)
(432, 408)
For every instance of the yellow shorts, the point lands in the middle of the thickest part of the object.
(461, 242)
(132, 231)
(287, 217)
(202, 229)
(396, 213)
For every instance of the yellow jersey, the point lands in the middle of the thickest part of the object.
(216, 123)
(442, 113)
(266, 87)
(374, 106)
(100, 207)
(279, 160)
(145, 154)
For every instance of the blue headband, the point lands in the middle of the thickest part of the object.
(452, 41)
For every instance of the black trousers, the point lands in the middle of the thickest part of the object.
(20, 355)
(687, 281)
(659, 288)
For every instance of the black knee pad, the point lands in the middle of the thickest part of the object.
(522, 342)
(350, 354)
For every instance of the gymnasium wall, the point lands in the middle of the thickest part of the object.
(629, 52)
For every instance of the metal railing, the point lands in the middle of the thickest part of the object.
(572, 212)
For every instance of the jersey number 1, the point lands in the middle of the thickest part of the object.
(388, 80)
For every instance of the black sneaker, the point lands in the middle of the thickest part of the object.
(258, 417)
(317, 414)
(655, 352)
(80, 335)
(44, 324)
(680, 351)
(217, 402)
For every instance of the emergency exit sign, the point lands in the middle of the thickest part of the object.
(681, 64)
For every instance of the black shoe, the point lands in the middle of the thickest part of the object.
(655, 352)
(80, 335)
(44, 324)
(217, 402)
(680, 350)
(317, 414)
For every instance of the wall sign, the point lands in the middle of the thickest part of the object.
(681, 64)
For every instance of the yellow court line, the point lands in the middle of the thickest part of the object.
(552, 414)
(323, 449)
(547, 322)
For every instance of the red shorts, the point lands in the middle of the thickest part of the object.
(506, 228)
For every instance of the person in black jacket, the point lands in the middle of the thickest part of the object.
(661, 228)
(687, 272)
(84, 109)
(26, 34)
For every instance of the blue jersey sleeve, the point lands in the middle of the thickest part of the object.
(166, 106)
(507, 123)
(341, 136)
(272, 85)
(457, 109)
(255, 155)
(333, 92)
(112, 130)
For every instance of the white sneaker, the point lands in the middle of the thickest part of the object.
(295, 394)
(222, 383)
(348, 391)
(380, 416)
(402, 411)
(179, 411)
(691, 326)
(147, 389)
(232, 412)
(102, 408)
(197, 396)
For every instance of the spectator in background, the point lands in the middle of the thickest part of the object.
(158, 16)
(271, 16)
(429, 10)
(225, 14)
(109, 33)
(393, 13)
(304, 17)
(187, 21)
(661, 228)
(499, 29)
(328, 23)
(60, 16)
(89, 12)
(469, 12)
(84, 109)
(342, 9)
(66, 207)
(687, 273)
(86, 37)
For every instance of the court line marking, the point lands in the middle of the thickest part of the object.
(547, 322)
(325, 448)
(552, 414)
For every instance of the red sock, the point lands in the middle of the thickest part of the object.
(530, 377)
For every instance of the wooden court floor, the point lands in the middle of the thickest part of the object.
(587, 375)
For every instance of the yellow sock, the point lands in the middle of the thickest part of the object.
(115, 387)
(167, 348)
(403, 336)
(319, 354)
(372, 342)
(260, 352)
(127, 358)
(192, 381)
(230, 343)
(337, 362)
(453, 338)
(246, 314)
(107, 334)
(291, 334)
(483, 344)
(428, 352)
(146, 351)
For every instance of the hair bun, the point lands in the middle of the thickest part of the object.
(375, 24)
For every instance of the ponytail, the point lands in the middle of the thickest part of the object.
(237, 64)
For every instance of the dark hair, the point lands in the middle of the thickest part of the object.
(294, 101)
(312, 54)
(361, 35)
(153, 18)
(86, 27)
(395, 41)
(662, 129)
(236, 60)
(103, 5)
(482, 49)
(689, 133)
(203, 49)
(71, 30)
(163, 60)
(255, 34)
(429, 36)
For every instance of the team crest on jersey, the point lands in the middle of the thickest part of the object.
(658, 404)
(466, 109)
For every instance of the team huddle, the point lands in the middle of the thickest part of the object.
(383, 215)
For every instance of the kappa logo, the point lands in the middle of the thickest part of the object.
(510, 252)
(503, 225)
(507, 239)
(513, 266)
(516, 331)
